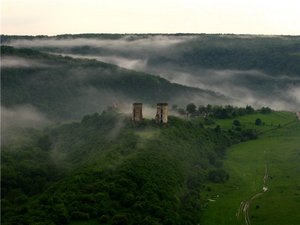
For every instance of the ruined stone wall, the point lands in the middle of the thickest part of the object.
(162, 113)
(137, 112)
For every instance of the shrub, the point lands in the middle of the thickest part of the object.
(218, 176)
(236, 123)
(120, 219)
(80, 216)
(258, 122)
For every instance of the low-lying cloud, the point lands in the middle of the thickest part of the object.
(128, 42)
(15, 119)
(250, 87)
(128, 63)
(22, 116)
(140, 53)
(18, 62)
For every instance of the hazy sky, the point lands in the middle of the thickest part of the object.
(150, 16)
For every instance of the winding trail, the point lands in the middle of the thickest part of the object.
(245, 205)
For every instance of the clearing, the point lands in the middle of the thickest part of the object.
(268, 165)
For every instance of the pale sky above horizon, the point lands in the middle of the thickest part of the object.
(51, 17)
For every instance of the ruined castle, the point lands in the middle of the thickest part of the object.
(137, 112)
(161, 116)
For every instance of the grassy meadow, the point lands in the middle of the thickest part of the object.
(277, 150)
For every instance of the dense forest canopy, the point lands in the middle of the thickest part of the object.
(110, 169)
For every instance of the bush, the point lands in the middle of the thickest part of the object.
(120, 219)
(218, 176)
(265, 110)
(258, 122)
(104, 219)
(80, 216)
(236, 123)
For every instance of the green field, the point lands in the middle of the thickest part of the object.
(278, 151)
(269, 121)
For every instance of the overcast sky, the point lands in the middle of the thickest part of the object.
(150, 16)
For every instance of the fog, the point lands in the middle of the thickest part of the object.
(241, 87)
(20, 117)
(133, 64)
(127, 43)
(18, 62)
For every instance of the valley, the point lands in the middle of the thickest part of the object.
(213, 138)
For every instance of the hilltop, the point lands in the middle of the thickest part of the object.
(110, 169)
(106, 169)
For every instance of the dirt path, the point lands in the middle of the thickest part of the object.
(243, 210)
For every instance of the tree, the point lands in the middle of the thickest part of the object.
(217, 129)
(120, 219)
(208, 108)
(249, 109)
(201, 109)
(191, 108)
(258, 122)
(265, 110)
(44, 143)
(237, 123)
(218, 176)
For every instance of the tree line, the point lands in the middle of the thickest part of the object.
(218, 111)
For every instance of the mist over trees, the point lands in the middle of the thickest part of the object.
(76, 172)
(71, 153)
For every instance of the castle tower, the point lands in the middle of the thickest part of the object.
(137, 112)
(162, 113)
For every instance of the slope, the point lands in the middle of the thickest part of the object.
(264, 177)
(263, 69)
(68, 88)
(142, 174)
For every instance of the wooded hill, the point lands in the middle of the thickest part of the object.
(67, 88)
(113, 171)
(264, 70)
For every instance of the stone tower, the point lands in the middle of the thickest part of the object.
(162, 113)
(137, 112)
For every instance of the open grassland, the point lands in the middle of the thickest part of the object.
(275, 156)
(270, 121)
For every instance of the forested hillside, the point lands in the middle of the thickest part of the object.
(70, 153)
(263, 69)
(66, 88)
(112, 171)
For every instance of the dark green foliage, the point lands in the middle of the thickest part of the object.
(236, 123)
(265, 110)
(224, 112)
(218, 176)
(120, 219)
(249, 109)
(66, 88)
(191, 108)
(124, 179)
(258, 122)
(27, 170)
(80, 216)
